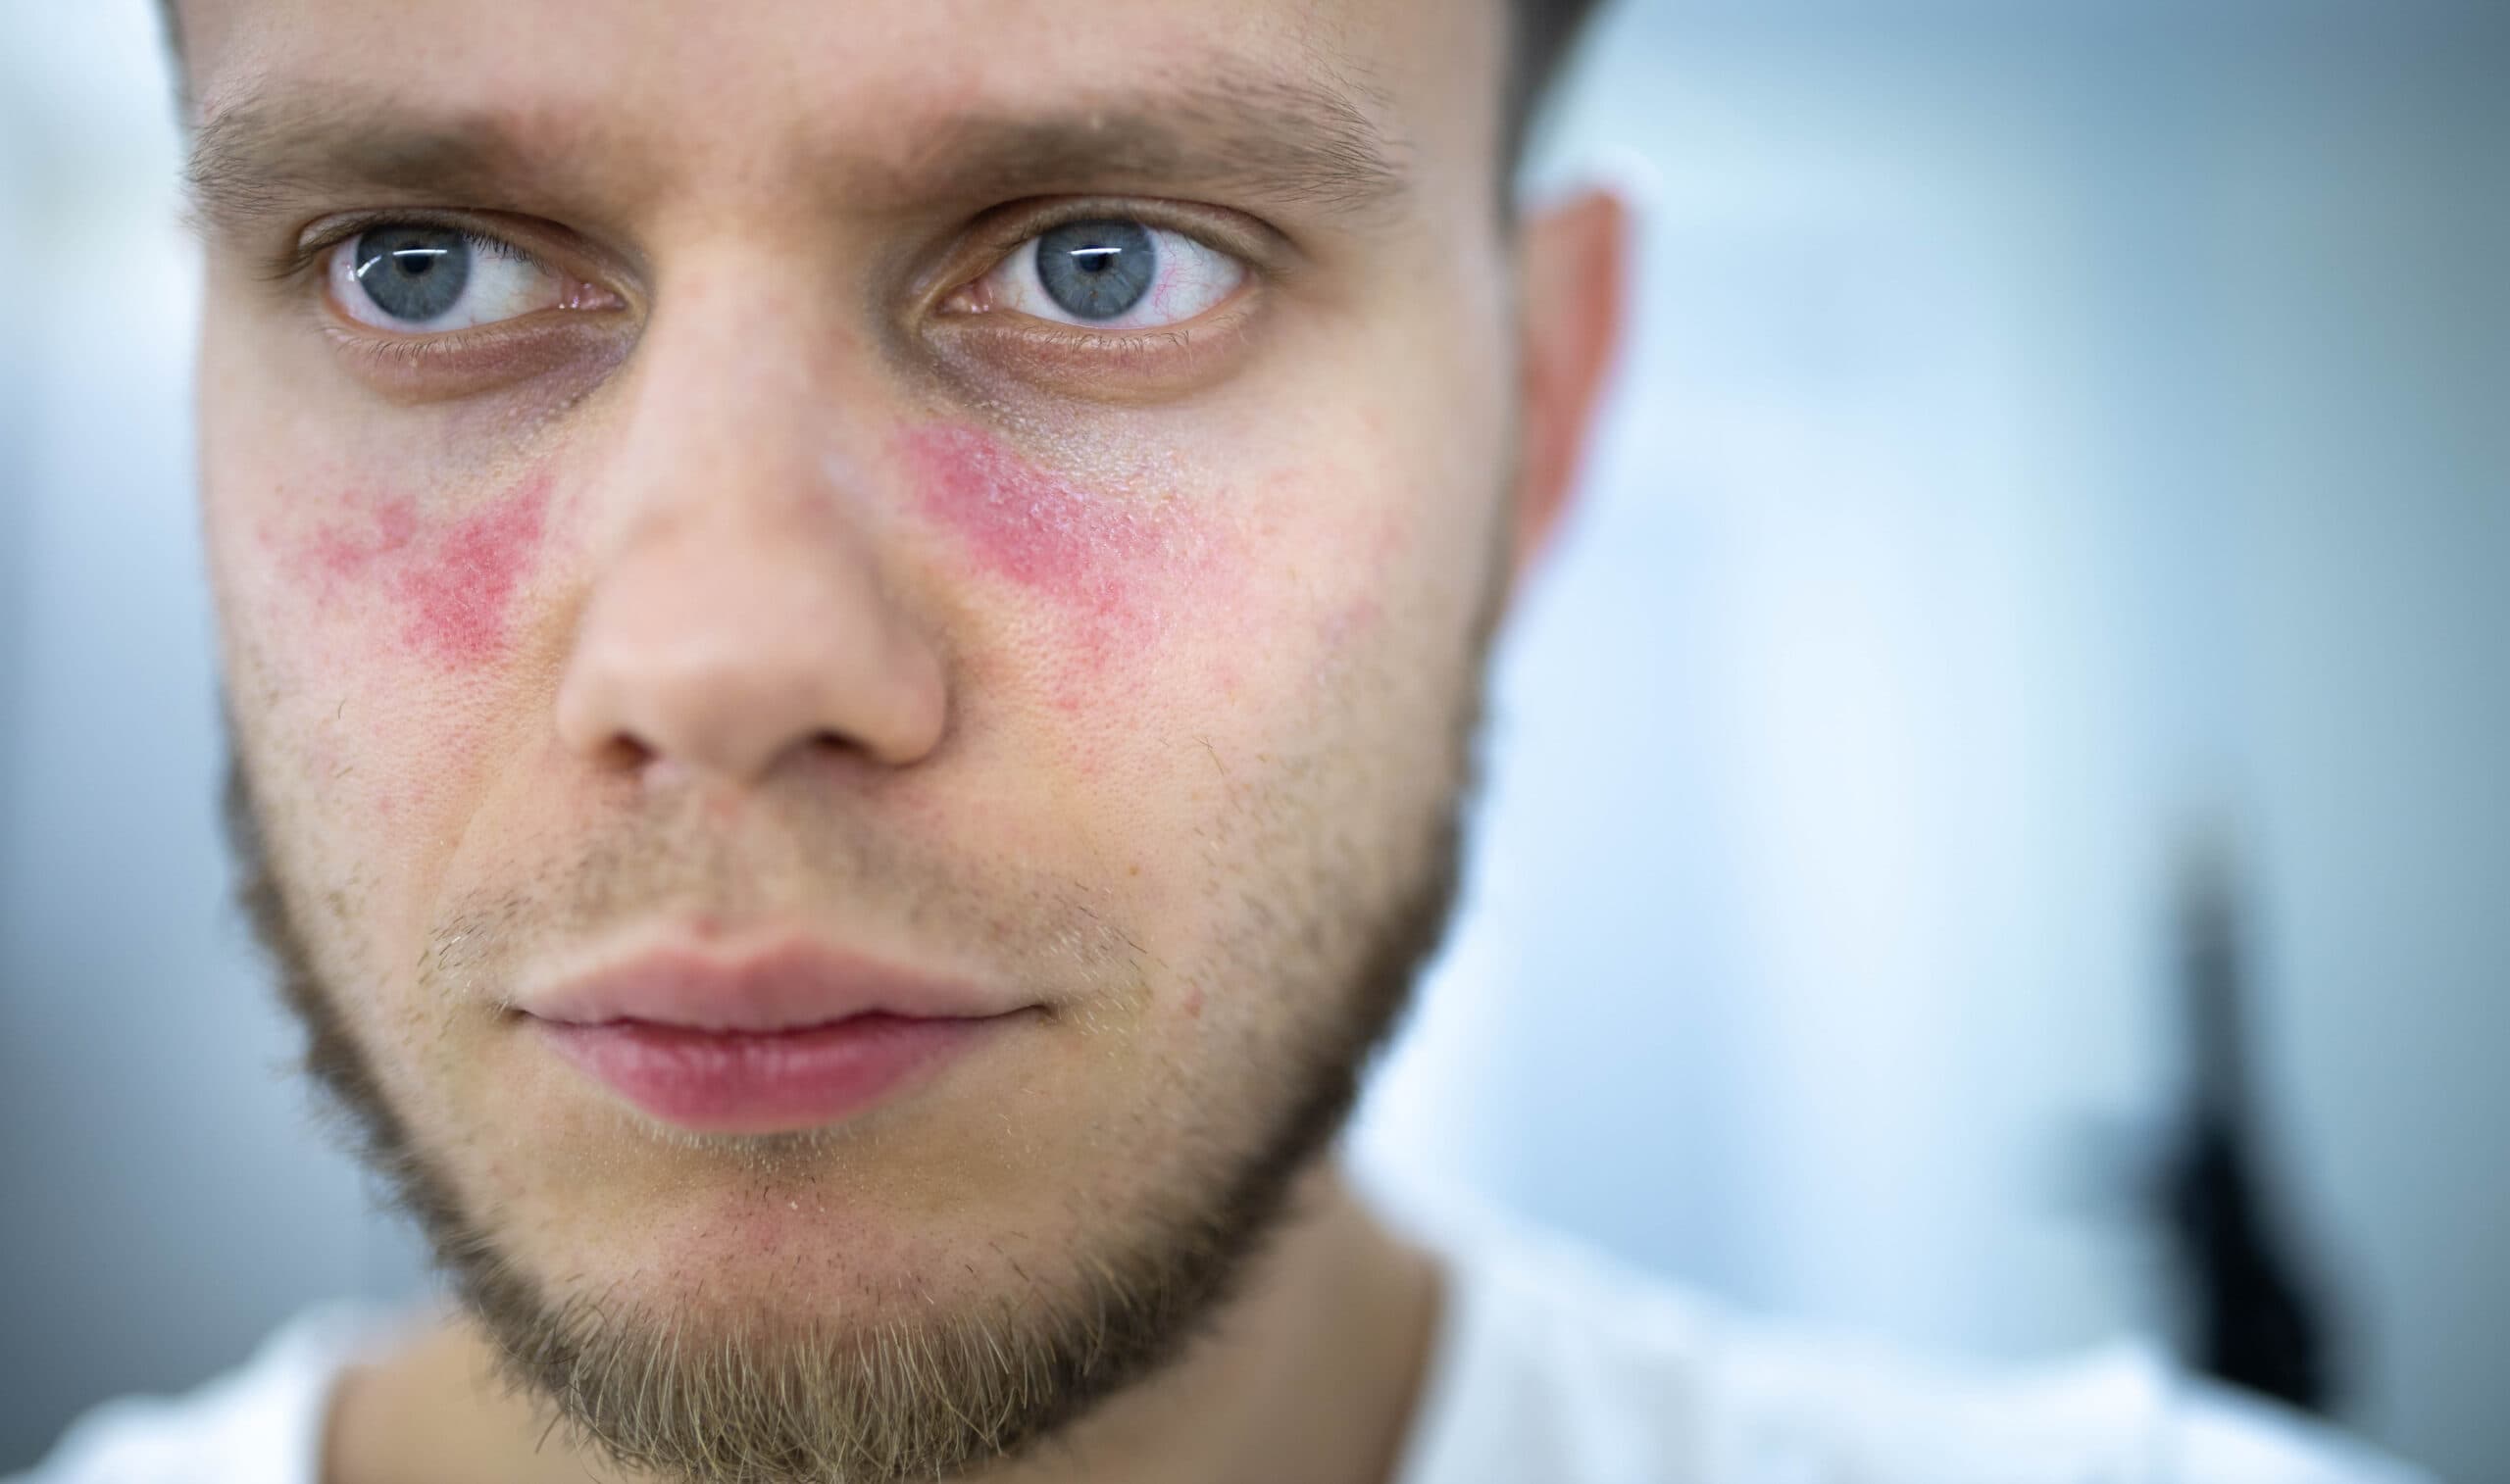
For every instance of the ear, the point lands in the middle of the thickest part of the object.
(1570, 274)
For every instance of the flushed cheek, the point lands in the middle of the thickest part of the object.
(447, 589)
(1046, 533)
(1152, 601)
(381, 631)
(1121, 562)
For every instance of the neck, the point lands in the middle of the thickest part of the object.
(1310, 1373)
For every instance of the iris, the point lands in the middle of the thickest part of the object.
(1097, 269)
(413, 272)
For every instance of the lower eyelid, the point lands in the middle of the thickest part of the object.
(994, 354)
(463, 362)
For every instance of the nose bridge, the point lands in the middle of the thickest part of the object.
(738, 611)
(743, 372)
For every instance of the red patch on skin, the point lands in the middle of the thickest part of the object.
(454, 584)
(1026, 525)
(459, 593)
(1118, 561)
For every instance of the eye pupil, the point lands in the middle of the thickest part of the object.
(413, 273)
(1097, 269)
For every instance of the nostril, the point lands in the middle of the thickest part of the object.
(622, 754)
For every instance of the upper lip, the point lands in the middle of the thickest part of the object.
(784, 988)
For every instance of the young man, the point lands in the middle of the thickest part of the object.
(853, 636)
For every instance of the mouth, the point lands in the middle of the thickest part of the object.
(793, 1039)
(757, 1082)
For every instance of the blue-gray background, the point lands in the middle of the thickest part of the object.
(2049, 424)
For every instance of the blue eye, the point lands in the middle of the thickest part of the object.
(1111, 273)
(1097, 269)
(413, 273)
(415, 277)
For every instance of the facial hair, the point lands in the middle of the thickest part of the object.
(786, 1397)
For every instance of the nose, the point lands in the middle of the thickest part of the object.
(722, 645)
(740, 616)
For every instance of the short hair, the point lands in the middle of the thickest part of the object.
(1541, 35)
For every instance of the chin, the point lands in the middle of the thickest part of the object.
(787, 1225)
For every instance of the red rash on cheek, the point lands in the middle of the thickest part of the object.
(1133, 569)
(1029, 527)
(452, 586)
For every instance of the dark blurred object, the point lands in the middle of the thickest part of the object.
(2257, 1314)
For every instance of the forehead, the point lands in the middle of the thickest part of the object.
(674, 93)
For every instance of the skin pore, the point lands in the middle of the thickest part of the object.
(772, 566)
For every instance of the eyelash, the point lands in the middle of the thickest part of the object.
(305, 256)
(1110, 362)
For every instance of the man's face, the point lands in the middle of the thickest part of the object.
(1012, 495)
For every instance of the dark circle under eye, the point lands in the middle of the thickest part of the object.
(411, 273)
(1097, 269)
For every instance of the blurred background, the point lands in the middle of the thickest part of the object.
(1996, 830)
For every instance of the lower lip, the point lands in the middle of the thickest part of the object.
(749, 1082)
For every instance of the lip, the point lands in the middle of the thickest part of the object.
(751, 1083)
(791, 987)
(794, 1038)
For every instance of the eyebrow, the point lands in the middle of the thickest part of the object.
(1293, 143)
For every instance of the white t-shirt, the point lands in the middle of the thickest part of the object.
(1551, 1367)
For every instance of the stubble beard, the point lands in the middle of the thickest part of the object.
(794, 1398)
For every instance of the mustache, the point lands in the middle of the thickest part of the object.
(820, 868)
(789, 859)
